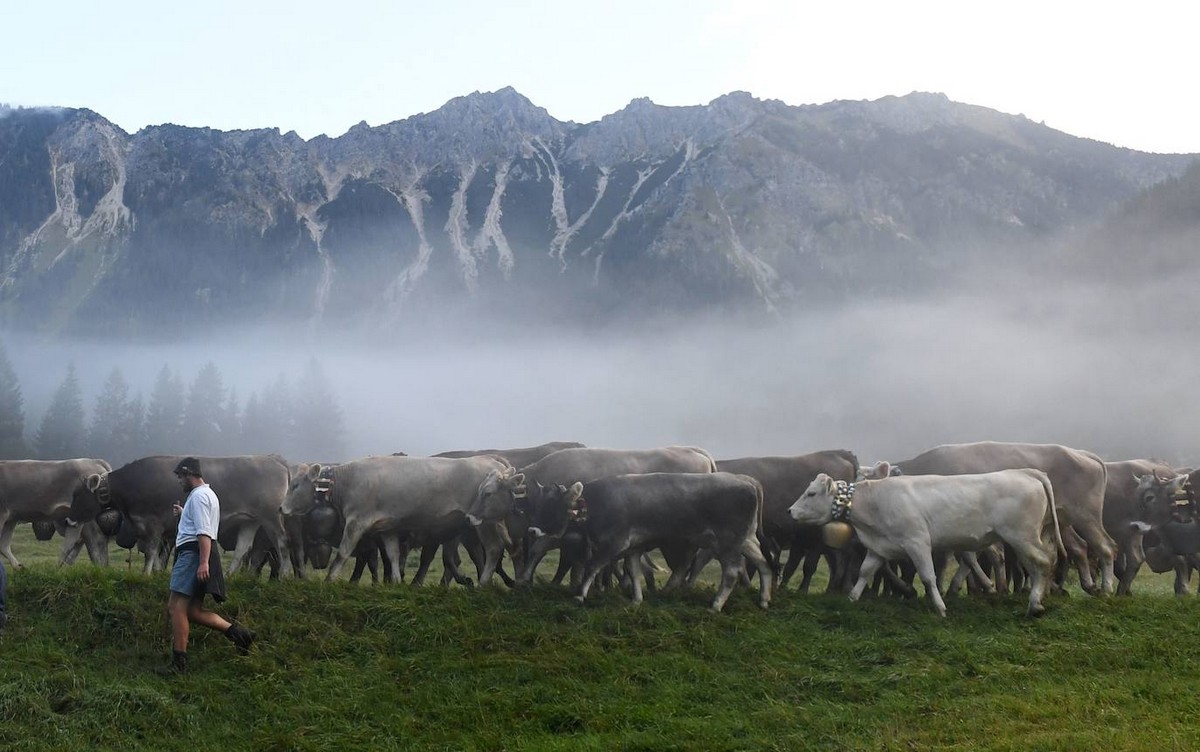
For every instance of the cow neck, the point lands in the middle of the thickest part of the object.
(843, 501)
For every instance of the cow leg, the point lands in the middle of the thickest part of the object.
(452, 563)
(1036, 557)
(6, 533)
(922, 559)
(1181, 576)
(1078, 548)
(972, 561)
(72, 544)
(599, 559)
(1133, 555)
(730, 565)
(996, 558)
(703, 557)
(429, 549)
(97, 544)
(491, 538)
(811, 559)
(278, 535)
(960, 576)
(633, 567)
(795, 555)
(241, 551)
(361, 558)
(753, 552)
(870, 565)
(351, 536)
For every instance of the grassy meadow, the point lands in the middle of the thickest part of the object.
(340, 666)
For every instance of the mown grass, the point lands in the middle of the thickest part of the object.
(345, 667)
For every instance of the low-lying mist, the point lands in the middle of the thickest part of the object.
(1087, 367)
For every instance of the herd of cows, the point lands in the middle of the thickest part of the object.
(1009, 514)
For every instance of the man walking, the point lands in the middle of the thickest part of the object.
(197, 570)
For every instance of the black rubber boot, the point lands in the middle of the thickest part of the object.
(241, 637)
(178, 664)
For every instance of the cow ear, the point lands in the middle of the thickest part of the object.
(573, 494)
(314, 471)
(883, 469)
(92, 482)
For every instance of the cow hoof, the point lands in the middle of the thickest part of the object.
(579, 599)
(1036, 611)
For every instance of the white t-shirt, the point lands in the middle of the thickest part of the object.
(201, 515)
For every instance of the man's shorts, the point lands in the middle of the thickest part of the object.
(183, 574)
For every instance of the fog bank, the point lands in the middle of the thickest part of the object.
(886, 379)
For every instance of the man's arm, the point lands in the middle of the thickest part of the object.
(204, 543)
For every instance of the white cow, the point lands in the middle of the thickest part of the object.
(913, 516)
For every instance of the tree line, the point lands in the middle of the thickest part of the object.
(297, 418)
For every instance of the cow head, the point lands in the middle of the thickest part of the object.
(1160, 498)
(91, 497)
(548, 509)
(814, 507)
(497, 496)
(877, 471)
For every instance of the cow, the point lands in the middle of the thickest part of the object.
(582, 464)
(251, 489)
(627, 515)
(318, 527)
(516, 457)
(1079, 479)
(913, 516)
(1123, 510)
(1170, 523)
(783, 479)
(41, 491)
(402, 497)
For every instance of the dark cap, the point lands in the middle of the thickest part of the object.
(188, 466)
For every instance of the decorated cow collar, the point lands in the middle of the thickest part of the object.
(323, 486)
(104, 492)
(843, 501)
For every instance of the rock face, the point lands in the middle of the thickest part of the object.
(490, 204)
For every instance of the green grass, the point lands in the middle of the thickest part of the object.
(346, 667)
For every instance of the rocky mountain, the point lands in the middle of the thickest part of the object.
(491, 205)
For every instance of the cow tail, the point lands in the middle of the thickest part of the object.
(765, 545)
(1052, 510)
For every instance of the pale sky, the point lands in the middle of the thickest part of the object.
(1119, 72)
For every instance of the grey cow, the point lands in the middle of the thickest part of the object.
(582, 464)
(1079, 480)
(41, 491)
(251, 489)
(627, 515)
(397, 497)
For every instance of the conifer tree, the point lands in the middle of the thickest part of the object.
(12, 412)
(61, 433)
(203, 432)
(115, 429)
(164, 414)
(318, 428)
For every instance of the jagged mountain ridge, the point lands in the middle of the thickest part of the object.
(491, 203)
